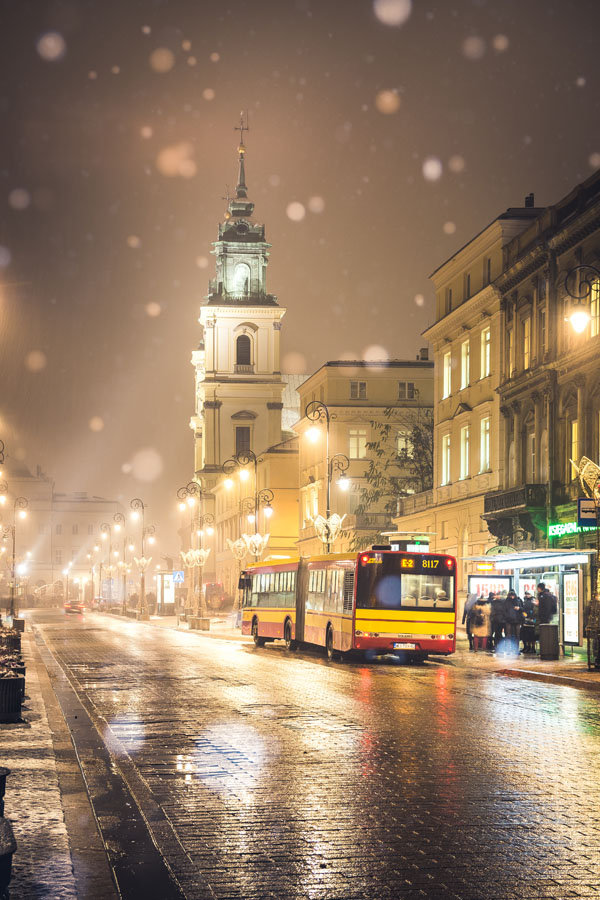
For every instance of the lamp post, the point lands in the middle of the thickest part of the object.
(19, 511)
(66, 574)
(257, 542)
(187, 496)
(579, 284)
(329, 527)
(138, 513)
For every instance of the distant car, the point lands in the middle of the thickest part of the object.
(74, 606)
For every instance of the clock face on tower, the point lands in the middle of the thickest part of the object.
(241, 279)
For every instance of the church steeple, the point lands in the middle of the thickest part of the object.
(240, 206)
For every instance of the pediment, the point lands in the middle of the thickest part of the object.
(244, 414)
(460, 409)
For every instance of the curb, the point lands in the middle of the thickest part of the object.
(548, 678)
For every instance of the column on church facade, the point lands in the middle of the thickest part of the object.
(537, 430)
(518, 439)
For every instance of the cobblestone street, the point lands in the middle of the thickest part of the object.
(263, 773)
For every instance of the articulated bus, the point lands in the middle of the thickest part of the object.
(380, 600)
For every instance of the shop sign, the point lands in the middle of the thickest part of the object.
(483, 584)
(571, 607)
(559, 529)
(586, 513)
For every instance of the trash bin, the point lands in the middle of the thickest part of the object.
(549, 641)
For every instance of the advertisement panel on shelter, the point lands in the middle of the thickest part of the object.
(571, 607)
(483, 584)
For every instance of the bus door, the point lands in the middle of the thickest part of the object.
(301, 589)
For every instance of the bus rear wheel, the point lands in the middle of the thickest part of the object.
(331, 654)
(290, 644)
(258, 641)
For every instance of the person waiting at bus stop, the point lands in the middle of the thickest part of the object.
(498, 617)
(530, 608)
(513, 617)
(480, 624)
(469, 604)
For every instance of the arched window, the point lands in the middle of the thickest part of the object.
(243, 351)
(241, 279)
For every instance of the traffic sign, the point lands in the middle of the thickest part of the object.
(178, 576)
(586, 512)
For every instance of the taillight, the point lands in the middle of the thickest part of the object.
(364, 558)
(449, 563)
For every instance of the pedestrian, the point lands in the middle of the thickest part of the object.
(529, 623)
(480, 624)
(513, 618)
(469, 604)
(548, 604)
(498, 620)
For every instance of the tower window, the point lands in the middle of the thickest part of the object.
(241, 279)
(358, 390)
(242, 438)
(243, 351)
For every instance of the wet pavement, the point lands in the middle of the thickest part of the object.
(261, 773)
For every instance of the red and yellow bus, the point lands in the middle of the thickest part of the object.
(380, 600)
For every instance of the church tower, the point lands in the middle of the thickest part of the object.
(238, 380)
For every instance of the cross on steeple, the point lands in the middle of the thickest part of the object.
(242, 127)
(241, 191)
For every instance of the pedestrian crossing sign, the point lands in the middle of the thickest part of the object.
(178, 576)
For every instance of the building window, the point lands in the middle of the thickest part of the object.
(242, 438)
(510, 353)
(243, 351)
(530, 461)
(90, 529)
(446, 459)
(467, 285)
(484, 444)
(464, 451)
(542, 287)
(464, 364)
(487, 270)
(447, 386)
(357, 443)
(542, 336)
(595, 308)
(526, 342)
(75, 529)
(58, 557)
(486, 337)
(403, 443)
(406, 390)
(358, 390)
(58, 529)
(448, 300)
(574, 448)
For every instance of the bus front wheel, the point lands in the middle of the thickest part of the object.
(290, 644)
(258, 641)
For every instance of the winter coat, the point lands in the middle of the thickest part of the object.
(469, 604)
(547, 607)
(481, 613)
(530, 609)
(498, 612)
(513, 610)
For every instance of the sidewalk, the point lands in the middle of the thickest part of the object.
(59, 851)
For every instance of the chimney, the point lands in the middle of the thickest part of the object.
(423, 353)
(529, 201)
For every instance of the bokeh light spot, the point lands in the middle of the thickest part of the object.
(202, 262)
(36, 360)
(316, 204)
(162, 60)
(96, 423)
(295, 211)
(456, 163)
(191, 60)
(186, 45)
(581, 82)
(274, 180)
(374, 353)
(5, 256)
(19, 198)
(176, 160)
(392, 12)
(594, 160)
(449, 227)
(153, 309)
(215, 57)
(146, 29)
(146, 131)
(387, 102)
(92, 75)
(473, 47)
(134, 242)
(500, 43)
(51, 46)
(115, 70)
(432, 168)
(208, 94)
(147, 464)
(419, 300)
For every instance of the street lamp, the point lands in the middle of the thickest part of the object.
(579, 285)
(329, 527)
(256, 542)
(19, 511)
(191, 495)
(138, 513)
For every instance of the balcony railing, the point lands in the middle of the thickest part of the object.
(415, 503)
(524, 497)
(240, 369)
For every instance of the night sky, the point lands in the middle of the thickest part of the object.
(375, 151)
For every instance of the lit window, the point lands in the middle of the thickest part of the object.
(526, 342)
(406, 390)
(484, 445)
(446, 459)
(403, 443)
(357, 443)
(358, 390)
(90, 529)
(574, 455)
(464, 451)
(447, 386)
(530, 461)
(595, 308)
(464, 364)
(511, 353)
(542, 336)
(485, 352)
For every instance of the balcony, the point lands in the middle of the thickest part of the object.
(368, 522)
(240, 369)
(416, 503)
(527, 496)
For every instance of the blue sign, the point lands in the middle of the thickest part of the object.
(586, 512)
(178, 576)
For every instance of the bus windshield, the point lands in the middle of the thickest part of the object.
(383, 584)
